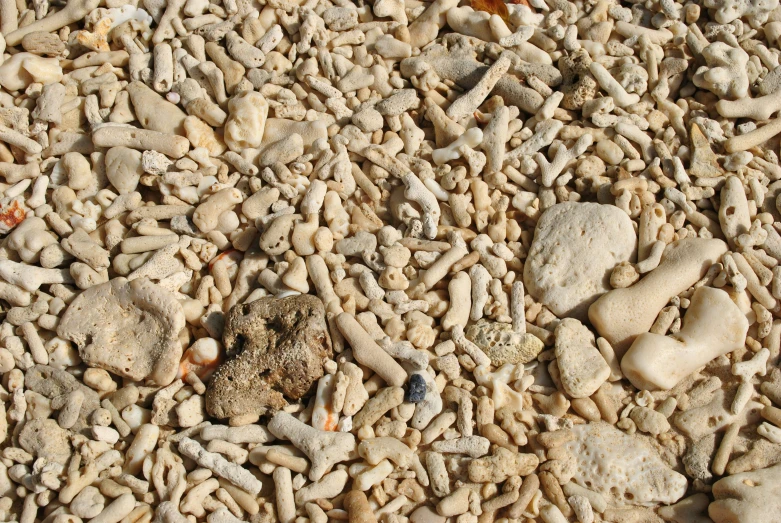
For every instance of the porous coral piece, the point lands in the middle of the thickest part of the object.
(755, 11)
(503, 345)
(625, 469)
(575, 247)
(725, 75)
(275, 350)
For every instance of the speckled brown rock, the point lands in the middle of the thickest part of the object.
(43, 438)
(275, 349)
(578, 85)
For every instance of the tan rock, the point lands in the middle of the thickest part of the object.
(130, 328)
(502, 344)
(582, 369)
(575, 247)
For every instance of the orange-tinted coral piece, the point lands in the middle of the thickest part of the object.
(495, 7)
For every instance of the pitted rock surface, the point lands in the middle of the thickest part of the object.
(275, 349)
(575, 247)
(624, 468)
(502, 344)
(130, 328)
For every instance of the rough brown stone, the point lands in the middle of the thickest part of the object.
(43, 438)
(578, 85)
(275, 350)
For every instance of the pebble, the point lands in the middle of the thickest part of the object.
(581, 366)
(416, 390)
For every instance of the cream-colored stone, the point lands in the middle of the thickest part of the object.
(582, 369)
(575, 247)
(748, 497)
(713, 326)
(623, 468)
(623, 314)
(502, 344)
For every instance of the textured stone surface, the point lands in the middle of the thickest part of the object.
(697, 459)
(625, 469)
(51, 382)
(502, 345)
(275, 350)
(748, 497)
(575, 247)
(582, 368)
(130, 328)
(43, 438)
(578, 85)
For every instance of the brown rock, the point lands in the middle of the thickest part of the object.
(43, 43)
(275, 350)
(43, 438)
(578, 85)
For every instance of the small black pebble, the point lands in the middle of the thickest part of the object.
(417, 389)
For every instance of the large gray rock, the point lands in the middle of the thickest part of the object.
(748, 497)
(575, 247)
(275, 348)
(130, 328)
